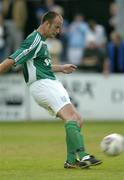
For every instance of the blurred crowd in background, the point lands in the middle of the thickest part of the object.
(82, 42)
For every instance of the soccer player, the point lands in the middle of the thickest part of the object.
(47, 91)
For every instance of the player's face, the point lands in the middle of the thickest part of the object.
(55, 27)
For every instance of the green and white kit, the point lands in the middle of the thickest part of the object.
(35, 58)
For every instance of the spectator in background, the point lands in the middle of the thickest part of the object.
(55, 49)
(76, 39)
(32, 22)
(15, 14)
(3, 35)
(113, 10)
(115, 50)
(94, 59)
(44, 6)
(98, 31)
(1, 6)
(63, 35)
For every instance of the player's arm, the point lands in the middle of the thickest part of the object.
(6, 65)
(66, 68)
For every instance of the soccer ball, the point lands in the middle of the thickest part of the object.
(112, 144)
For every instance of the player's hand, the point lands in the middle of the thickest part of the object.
(68, 68)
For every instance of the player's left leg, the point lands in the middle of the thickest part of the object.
(74, 138)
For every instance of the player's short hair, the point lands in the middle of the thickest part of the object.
(49, 16)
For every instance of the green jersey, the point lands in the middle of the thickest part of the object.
(34, 56)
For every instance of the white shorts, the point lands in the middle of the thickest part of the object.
(50, 94)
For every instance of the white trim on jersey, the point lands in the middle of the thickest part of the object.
(26, 51)
(31, 67)
(38, 49)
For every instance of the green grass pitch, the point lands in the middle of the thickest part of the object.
(36, 151)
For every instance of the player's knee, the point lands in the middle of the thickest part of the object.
(77, 117)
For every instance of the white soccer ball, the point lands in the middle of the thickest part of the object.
(112, 144)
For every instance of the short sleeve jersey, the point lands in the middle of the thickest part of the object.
(35, 58)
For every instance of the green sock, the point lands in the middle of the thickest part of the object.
(81, 153)
(74, 140)
(71, 153)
